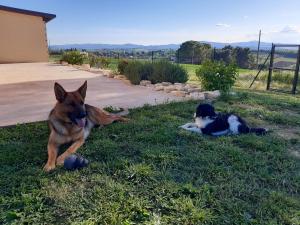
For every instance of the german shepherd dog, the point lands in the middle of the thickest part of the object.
(71, 121)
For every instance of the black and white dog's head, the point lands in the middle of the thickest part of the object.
(205, 110)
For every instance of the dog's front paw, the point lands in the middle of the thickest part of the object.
(60, 160)
(48, 167)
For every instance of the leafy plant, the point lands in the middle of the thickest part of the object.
(73, 57)
(94, 60)
(104, 62)
(217, 76)
(122, 65)
(133, 72)
(168, 72)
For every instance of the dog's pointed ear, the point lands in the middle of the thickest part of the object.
(60, 92)
(82, 90)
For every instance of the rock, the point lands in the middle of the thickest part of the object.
(178, 93)
(159, 88)
(110, 75)
(187, 86)
(194, 86)
(64, 63)
(76, 66)
(158, 84)
(197, 95)
(165, 83)
(145, 82)
(179, 88)
(149, 85)
(95, 70)
(191, 90)
(120, 77)
(86, 66)
(169, 88)
(127, 82)
(212, 94)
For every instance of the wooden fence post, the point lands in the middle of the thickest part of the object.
(295, 81)
(271, 67)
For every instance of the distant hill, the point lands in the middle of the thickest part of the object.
(115, 46)
(249, 44)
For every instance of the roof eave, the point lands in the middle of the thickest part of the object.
(46, 16)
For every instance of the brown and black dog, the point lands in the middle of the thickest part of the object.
(71, 120)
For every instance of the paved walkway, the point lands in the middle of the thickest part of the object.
(26, 91)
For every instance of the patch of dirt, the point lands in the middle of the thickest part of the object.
(295, 153)
(290, 112)
(285, 132)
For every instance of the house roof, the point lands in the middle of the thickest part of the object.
(46, 16)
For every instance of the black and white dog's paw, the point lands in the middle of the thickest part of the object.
(191, 127)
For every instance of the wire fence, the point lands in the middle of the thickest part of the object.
(283, 58)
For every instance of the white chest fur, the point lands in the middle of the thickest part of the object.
(87, 129)
(233, 124)
(202, 122)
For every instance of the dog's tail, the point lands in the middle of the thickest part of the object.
(258, 131)
(244, 129)
(124, 112)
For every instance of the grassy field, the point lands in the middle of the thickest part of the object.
(148, 171)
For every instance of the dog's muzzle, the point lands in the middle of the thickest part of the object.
(81, 119)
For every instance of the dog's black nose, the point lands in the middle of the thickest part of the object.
(82, 115)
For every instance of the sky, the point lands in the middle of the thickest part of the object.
(167, 21)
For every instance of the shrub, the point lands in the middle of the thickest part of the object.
(98, 62)
(168, 72)
(133, 72)
(217, 76)
(104, 62)
(146, 71)
(122, 65)
(94, 60)
(73, 57)
(156, 72)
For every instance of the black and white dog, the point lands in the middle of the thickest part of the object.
(207, 121)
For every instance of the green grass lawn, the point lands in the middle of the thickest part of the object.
(148, 171)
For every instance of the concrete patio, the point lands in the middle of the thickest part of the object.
(26, 91)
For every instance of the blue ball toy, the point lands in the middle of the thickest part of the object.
(74, 162)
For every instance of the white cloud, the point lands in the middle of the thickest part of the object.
(245, 17)
(223, 25)
(289, 29)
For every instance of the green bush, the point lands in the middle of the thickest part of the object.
(98, 62)
(146, 70)
(94, 60)
(133, 72)
(73, 57)
(217, 76)
(104, 62)
(164, 71)
(122, 65)
(156, 72)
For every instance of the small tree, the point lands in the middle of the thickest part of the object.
(194, 52)
(217, 76)
(73, 57)
(243, 57)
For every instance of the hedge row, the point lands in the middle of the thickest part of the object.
(156, 72)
